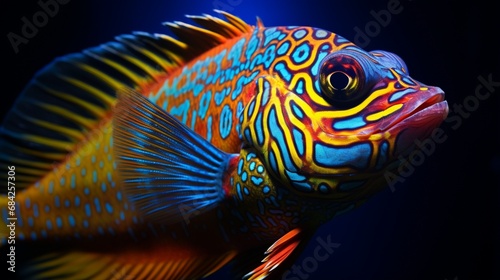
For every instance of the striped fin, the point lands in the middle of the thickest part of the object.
(67, 100)
(121, 265)
(280, 256)
(168, 170)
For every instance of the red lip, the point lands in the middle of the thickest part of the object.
(431, 107)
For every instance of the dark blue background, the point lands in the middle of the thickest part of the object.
(442, 222)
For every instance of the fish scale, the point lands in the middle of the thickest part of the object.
(132, 155)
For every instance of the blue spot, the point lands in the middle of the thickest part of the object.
(205, 104)
(97, 205)
(260, 169)
(77, 162)
(356, 156)
(244, 176)
(240, 166)
(283, 48)
(109, 208)
(73, 181)
(94, 176)
(59, 222)
(271, 34)
(77, 201)
(30, 221)
(256, 180)
(251, 167)
(67, 202)
(252, 46)
(122, 216)
(408, 81)
(299, 34)
(101, 164)
(57, 201)
(251, 108)
(86, 191)
(352, 123)
(300, 86)
(323, 188)
(71, 220)
(85, 223)
(266, 189)
(35, 210)
(103, 187)
(93, 159)
(27, 202)
(297, 112)
(320, 34)
(209, 128)
(51, 187)
(119, 195)
(84, 172)
(87, 210)
(33, 235)
(47, 208)
(62, 181)
(238, 190)
(301, 53)
(226, 121)
(110, 179)
(246, 191)
(48, 223)
(43, 233)
(283, 71)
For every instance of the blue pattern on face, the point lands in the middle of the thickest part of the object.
(356, 156)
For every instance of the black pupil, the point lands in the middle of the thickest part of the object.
(339, 80)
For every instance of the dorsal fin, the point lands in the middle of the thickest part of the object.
(68, 99)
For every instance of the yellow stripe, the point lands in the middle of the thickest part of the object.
(377, 116)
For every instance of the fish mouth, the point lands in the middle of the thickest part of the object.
(430, 111)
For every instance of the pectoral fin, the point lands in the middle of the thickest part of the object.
(168, 170)
(279, 256)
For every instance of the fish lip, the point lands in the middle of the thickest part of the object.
(433, 105)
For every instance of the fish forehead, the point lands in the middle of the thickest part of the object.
(209, 93)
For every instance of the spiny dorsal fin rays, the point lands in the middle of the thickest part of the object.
(236, 22)
(75, 92)
(195, 36)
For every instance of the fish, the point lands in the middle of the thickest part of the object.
(169, 157)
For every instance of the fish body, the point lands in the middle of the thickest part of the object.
(153, 157)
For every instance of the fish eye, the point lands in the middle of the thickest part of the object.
(339, 80)
(342, 80)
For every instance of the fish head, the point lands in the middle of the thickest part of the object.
(330, 127)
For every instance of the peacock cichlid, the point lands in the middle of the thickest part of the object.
(153, 157)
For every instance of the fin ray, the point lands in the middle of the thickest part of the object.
(167, 168)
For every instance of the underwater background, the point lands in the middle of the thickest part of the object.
(442, 221)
